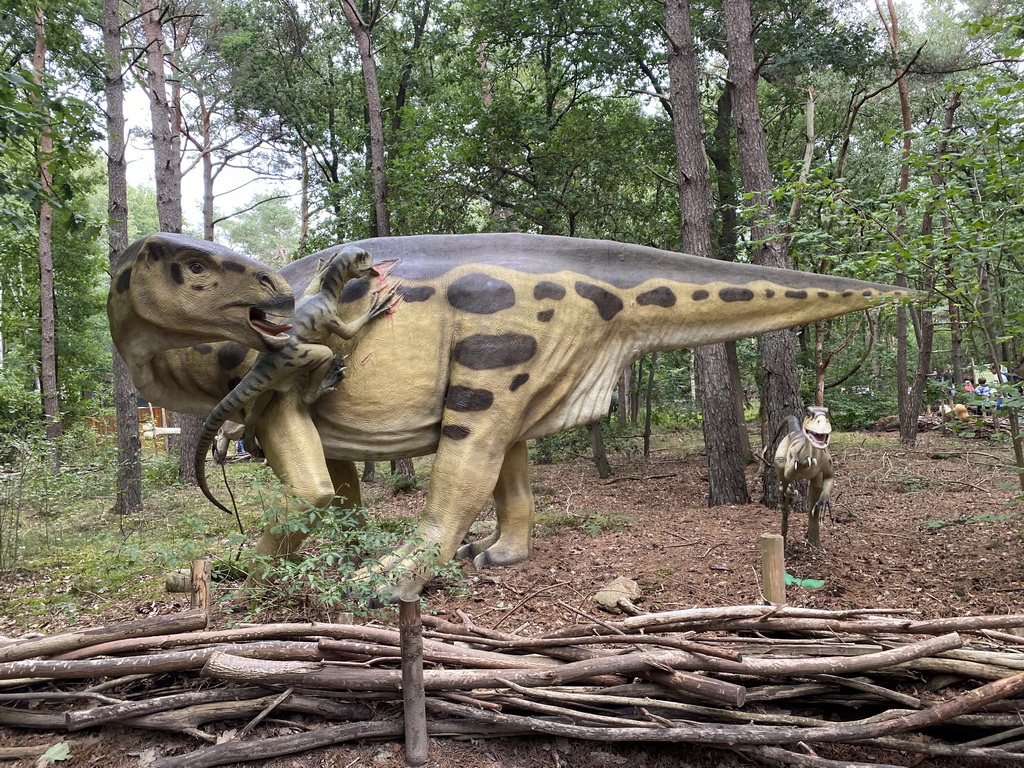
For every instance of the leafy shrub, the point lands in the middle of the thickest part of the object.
(850, 411)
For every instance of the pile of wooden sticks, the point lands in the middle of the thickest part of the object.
(730, 676)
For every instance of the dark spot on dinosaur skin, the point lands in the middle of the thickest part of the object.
(822, 295)
(867, 293)
(796, 294)
(124, 280)
(231, 355)
(769, 293)
(700, 295)
(483, 352)
(419, 293)
(355, 290)
(736, 294)
(203, 349)
(608, 304)
(658, 297)
(480, 294)
(545, 289)
(847, 294)
(176, 274)
(518, 380)
(455, 432)
(234, 381)
(468, 399)
(546, 315)
(233, 266)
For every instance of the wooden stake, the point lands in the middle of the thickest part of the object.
(773, 568)
(201, 587)
(417, 750)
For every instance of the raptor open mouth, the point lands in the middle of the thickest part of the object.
(258, 320)
(820, 440)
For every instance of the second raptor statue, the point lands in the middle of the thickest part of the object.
(305, 363)
(499, 338)
(803, 454)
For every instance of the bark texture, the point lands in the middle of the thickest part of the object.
(780, 387)
(722, 431)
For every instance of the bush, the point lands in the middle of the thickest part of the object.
(860, 411)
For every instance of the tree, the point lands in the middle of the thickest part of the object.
(128, 499)
(165, 116)
(780, 385)
(726, 479)
(47, 312)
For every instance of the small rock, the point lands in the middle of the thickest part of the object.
(608, 598)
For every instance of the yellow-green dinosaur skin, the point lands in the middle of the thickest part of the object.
(498, 339)
(803, 454)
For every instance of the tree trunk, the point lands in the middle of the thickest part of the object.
(727, 240)
(167, 173)
(598, 451)
(47, 310)
(780, 387)
(726, 480)
(363, 32)
(905, 389)
(648, 404)
(166, 142)
(128, 498)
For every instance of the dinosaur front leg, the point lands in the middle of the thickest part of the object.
(512, 540)
(292, 448)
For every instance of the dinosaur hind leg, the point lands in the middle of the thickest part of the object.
(464, 475)
(512, 540)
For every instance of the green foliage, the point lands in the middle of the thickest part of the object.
(340, 566)
(853, 411)
(268, 231)
(590, 522)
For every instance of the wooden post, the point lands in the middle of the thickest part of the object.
(773, 568)
(413, 695)
(201, 587)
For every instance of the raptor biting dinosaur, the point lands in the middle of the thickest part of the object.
(305, 362)
(500, 338)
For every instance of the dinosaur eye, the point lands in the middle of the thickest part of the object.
(196, 268)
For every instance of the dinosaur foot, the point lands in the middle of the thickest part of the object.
(493, 551)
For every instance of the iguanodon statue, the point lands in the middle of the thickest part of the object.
(305, 362)
(499, 338)
(803, 454)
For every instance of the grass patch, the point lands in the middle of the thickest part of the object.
(591, 523)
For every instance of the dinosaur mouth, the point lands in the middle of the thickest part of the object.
(820, 440)
(259, 321)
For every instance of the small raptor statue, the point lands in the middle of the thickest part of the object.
(305, 364)
(499, 338)
(803, 455)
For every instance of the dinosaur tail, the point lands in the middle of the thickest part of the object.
(211, 426)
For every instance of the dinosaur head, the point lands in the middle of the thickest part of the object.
(817, 426)
(194, 291)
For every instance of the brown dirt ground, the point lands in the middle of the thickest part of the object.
(931, 529)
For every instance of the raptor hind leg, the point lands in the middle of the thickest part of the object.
(512, 540)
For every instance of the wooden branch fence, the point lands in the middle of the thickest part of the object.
(771, 682)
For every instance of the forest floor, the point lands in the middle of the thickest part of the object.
(935, 528)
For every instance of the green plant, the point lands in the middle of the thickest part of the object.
(854, 411)
(339, 567)
(588, 522)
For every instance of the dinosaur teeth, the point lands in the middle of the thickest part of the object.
(820, 440)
